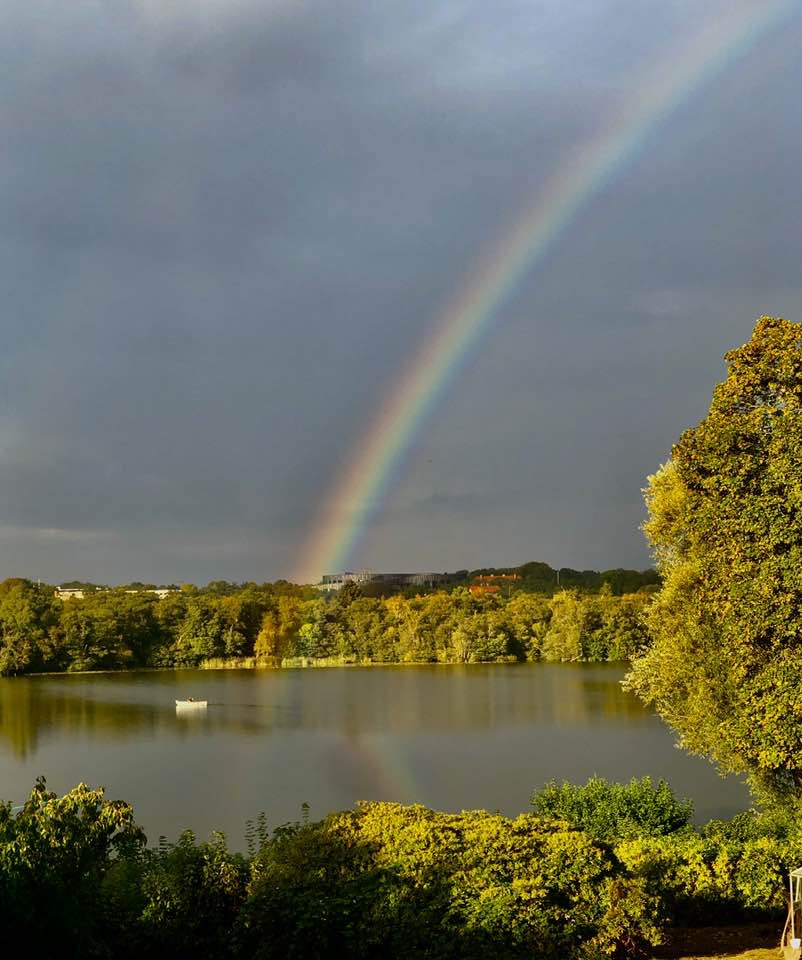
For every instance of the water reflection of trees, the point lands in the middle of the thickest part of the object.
(28, 714)
(376, 700)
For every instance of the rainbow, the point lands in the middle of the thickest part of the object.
(387, 765)
(360, 490)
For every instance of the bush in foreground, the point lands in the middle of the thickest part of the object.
(609, 811)
(395, 881)
(389, 881)
(54, 856)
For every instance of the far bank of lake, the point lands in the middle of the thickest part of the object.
(451, 737)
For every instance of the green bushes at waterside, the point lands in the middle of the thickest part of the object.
(395, 881)
(729, 870)
(611, 811)
(389, 881)
(383, 881)
(271, 624)
(55, 856)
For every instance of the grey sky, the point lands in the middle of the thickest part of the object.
(226, 226)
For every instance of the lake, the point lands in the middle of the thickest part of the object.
(451, 737)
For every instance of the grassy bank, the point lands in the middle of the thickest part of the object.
(754, 941)
(295, 663)
(233, 663)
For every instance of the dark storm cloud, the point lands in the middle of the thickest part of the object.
(226, 227)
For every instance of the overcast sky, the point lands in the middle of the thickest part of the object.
(226, 227)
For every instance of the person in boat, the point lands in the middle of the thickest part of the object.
(190, 699)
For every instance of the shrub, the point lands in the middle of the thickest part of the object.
(608, 811)
(191, 895)
(705, 879)
(389, 881)
(395, 881)
(53, 856)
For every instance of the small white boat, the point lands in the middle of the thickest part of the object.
(190, 704)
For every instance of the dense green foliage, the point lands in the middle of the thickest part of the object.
(608, 811)
(725, 520)
(730, 870)
(389, 881)
(537, 577)
(393, 881)
(382, 881)
(275, 623)
(54, 857)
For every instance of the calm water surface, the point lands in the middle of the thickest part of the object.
(451, 737)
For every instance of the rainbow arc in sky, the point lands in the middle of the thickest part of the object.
(379, 453)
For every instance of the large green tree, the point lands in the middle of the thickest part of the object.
(725, 521)
(28, 621)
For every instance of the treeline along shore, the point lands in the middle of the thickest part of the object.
(527, 618)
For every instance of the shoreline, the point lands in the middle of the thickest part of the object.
(309, 663)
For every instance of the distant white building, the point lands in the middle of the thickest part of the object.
(161, 592)
(78, 593)
(336, 581)
(69, 593)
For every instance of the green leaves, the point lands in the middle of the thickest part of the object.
(27, 624)
(404, 881)
(389, 881)
(53, 856)
(123, 628)
(610, 811)
(725, 521)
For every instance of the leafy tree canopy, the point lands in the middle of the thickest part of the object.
(725, 521)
